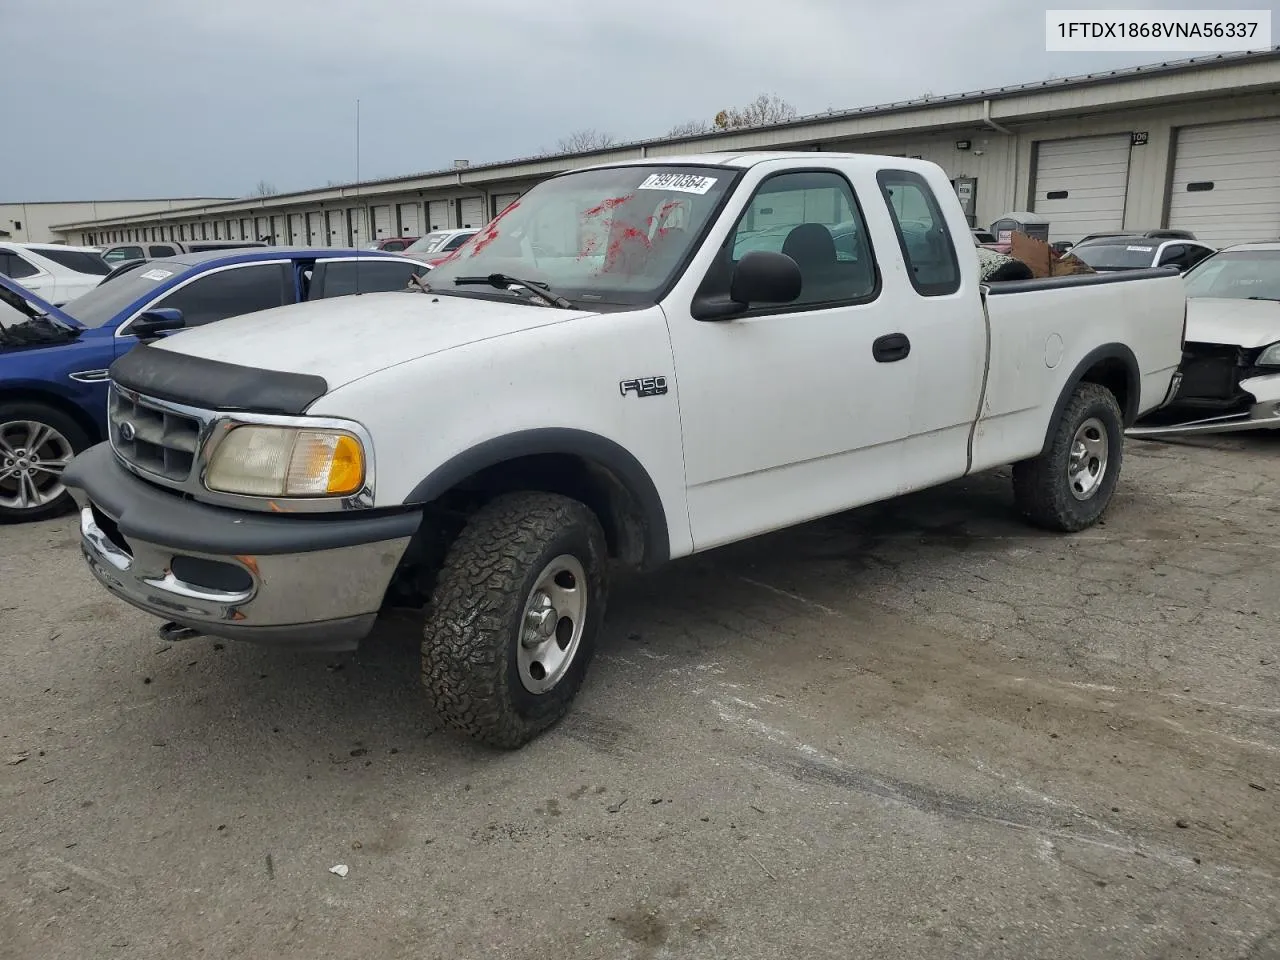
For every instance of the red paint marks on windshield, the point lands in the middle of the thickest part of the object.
(607, 205)
(490, 233)
(628, 249)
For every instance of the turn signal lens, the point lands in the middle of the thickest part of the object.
(268, 461)
(329, 464)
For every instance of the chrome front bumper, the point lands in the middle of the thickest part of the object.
(327, 600)
(290, 580)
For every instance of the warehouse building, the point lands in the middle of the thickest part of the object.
(1192, 144)
(40, 222)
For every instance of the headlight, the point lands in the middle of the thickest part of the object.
(1269, 357)
(287, 462)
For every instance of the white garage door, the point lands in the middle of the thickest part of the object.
(503, 200)
(382, 223)
(472, 210)
(1080, 184)
(359, 226)
(315, 230)
(1226, 182)
(296, 234)
(336, 221)
(438, 215)
(409, 220)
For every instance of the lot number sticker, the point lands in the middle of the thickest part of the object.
(682, 182)
(157, 274)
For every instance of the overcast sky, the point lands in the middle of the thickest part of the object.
(163, 98)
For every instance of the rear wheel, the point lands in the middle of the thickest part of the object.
(1069, 487)
(514, 617)
(36, 444)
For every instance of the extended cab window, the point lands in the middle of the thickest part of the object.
(812, 217)
(923, 234)
(162, 251)
(229, 293)
(344, 277)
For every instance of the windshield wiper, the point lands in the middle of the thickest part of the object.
(504, 281)
(1273, 299)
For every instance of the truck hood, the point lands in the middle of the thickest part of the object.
(1236, 323)
(345, 338)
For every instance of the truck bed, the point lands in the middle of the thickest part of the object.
(1044, 333)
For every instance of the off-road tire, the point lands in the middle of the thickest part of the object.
(71, 431)
(474, 620)
(1041, 488)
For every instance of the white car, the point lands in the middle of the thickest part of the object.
(438, 245)
(56, 273)
(1230, 372)
(1109, 253)
(604, 374)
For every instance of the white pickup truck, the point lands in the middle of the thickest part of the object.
(633, 363)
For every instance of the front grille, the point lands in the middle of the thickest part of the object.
(151, 437)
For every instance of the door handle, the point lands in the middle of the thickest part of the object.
(891, 347)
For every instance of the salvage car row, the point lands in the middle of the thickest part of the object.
(633, 363)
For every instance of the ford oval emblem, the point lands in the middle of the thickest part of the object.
(127, 432)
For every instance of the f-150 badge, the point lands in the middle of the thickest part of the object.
(644, 386)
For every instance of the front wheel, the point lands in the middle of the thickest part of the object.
(36, 444)
(514, 617)
(1069, 487)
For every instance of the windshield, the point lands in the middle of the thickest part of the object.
(428, 243)
(106, 300)
(440, 241)
(613, 235)
(1236, 275)
(1116, 256)
(78, 260)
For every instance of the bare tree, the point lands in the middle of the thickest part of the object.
(763, 110)
(691, 128)
(264, 189)
(582, 141)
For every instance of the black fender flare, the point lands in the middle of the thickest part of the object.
(1133, 385)
(591, 447)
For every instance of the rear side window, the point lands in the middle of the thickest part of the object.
(923, 235)
(14, 267)
(79, 261)
(457, 241)
(339, 279)
(158, 252)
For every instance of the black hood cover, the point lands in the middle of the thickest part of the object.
(215, 385)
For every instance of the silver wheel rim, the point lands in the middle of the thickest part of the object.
(552, 623)
(32, 458)
(1088, 464)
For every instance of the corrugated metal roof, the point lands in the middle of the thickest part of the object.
(1163, 68)
(972, 96)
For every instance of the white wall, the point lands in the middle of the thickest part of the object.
(34, 222)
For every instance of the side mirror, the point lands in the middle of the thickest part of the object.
(154, 322)
(761, 276)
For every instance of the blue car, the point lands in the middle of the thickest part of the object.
(53, 361)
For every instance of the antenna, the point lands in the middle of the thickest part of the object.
(359, 209)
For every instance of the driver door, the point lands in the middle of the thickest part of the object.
(795, 411)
